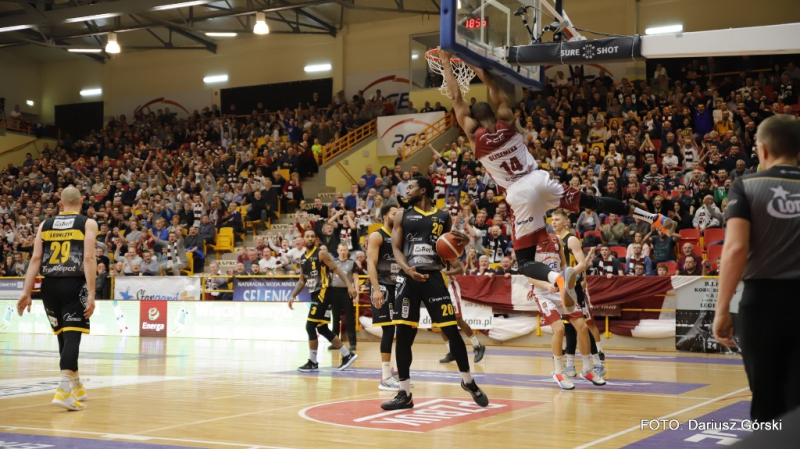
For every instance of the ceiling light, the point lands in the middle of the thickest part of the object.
(317, 68)
(91, 92)
(213, 34)
(112, 46)
(29, 102)
(180, 5)
(84, 50)
(261, 24)
(95, 17)
(215, 79)
(414, 56)
(15, 28)
(664, 30)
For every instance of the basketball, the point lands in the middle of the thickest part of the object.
(448, 247)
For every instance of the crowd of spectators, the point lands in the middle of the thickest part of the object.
(160, 186)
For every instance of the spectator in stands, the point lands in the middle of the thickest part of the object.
(662, 270)
(606, 263)
(496, 243)
(369, 177)
(269, 265)
(483, 267)
(471, 260)
(20, 266)
(690, 267)
(680, 215)
(149, 265)
(707, 216)
(506, 267)
(175, 254)
(194, 244)
(663, 247)
(587, 221)
(638, 258)
(613, 232)
(687, 250)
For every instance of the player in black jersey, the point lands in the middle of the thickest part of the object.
(315, 265)
(382, 270)
(423, 281)
(64, 250)
(573, 254)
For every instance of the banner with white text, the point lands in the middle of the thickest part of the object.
(167, 288)
(267, 290)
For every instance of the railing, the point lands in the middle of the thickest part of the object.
(346, 173)
(433, 131)
(15, 124)
(350, 139)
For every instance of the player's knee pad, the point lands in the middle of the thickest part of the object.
(311, 330)
(387, 339)
(71, 351)
(326, 332)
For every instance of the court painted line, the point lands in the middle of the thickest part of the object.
(258, 412)
(700, 359)
(140, 438)
(687, 409)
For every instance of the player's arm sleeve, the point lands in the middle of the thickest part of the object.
(738, 207)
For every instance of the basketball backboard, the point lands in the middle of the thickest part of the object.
(481, 31)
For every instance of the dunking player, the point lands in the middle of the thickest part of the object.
(315, 264)
(551, 253)
(65, 251)
(574, 253)
(382, 270)
(423, 281)
(499, 146)
(455, 294)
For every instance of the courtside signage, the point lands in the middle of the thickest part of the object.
(427, 414)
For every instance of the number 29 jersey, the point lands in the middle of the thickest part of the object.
(503, 153)
(62, 245)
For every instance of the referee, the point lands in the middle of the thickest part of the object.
(762, 247)
(65, 251)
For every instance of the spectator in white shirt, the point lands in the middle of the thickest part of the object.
(707, 216)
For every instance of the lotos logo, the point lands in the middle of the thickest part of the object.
(154, 318)
(784, 204)
(427, 415)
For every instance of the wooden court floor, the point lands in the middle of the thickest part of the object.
(152, 393)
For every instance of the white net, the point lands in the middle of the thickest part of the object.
(461, 70)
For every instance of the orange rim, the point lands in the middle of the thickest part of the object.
(434, 55)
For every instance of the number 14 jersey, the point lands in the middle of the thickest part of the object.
(503, 153)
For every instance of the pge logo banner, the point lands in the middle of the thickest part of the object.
(267, 290)
(394, 130)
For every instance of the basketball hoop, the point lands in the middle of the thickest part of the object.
(463, 73)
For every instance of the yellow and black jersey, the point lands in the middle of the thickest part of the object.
(62, 245)
(315, 271)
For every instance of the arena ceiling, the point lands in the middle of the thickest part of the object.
(44, 30)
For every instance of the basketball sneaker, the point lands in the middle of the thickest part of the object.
(476, 392)
(390, 384)
(309, 367)
(479, 352)
(347, 361)
(403, 400)
(602, 356)
(448, 358)
(593, 377)
(566, 283)
(67, 400)
(563, 381)
(569, 371)
(80, 392)
(665, 224)
(600, 370)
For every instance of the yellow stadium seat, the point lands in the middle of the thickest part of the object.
(440, 203)
(373, 227)
(285, 173)
(224, 243)
(189, 270)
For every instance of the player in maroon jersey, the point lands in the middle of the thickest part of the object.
(530, 193)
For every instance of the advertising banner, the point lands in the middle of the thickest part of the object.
(394, 130)
(167, 288)
(267, 290)
(237, 320)
(11, 288)
(153, 316)
(694, 318)
(626, 48)
(110, 318)
(394, 85)
(478, 316)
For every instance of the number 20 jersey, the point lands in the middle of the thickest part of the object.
(421, 231)
(503, 153)
(62, 245)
